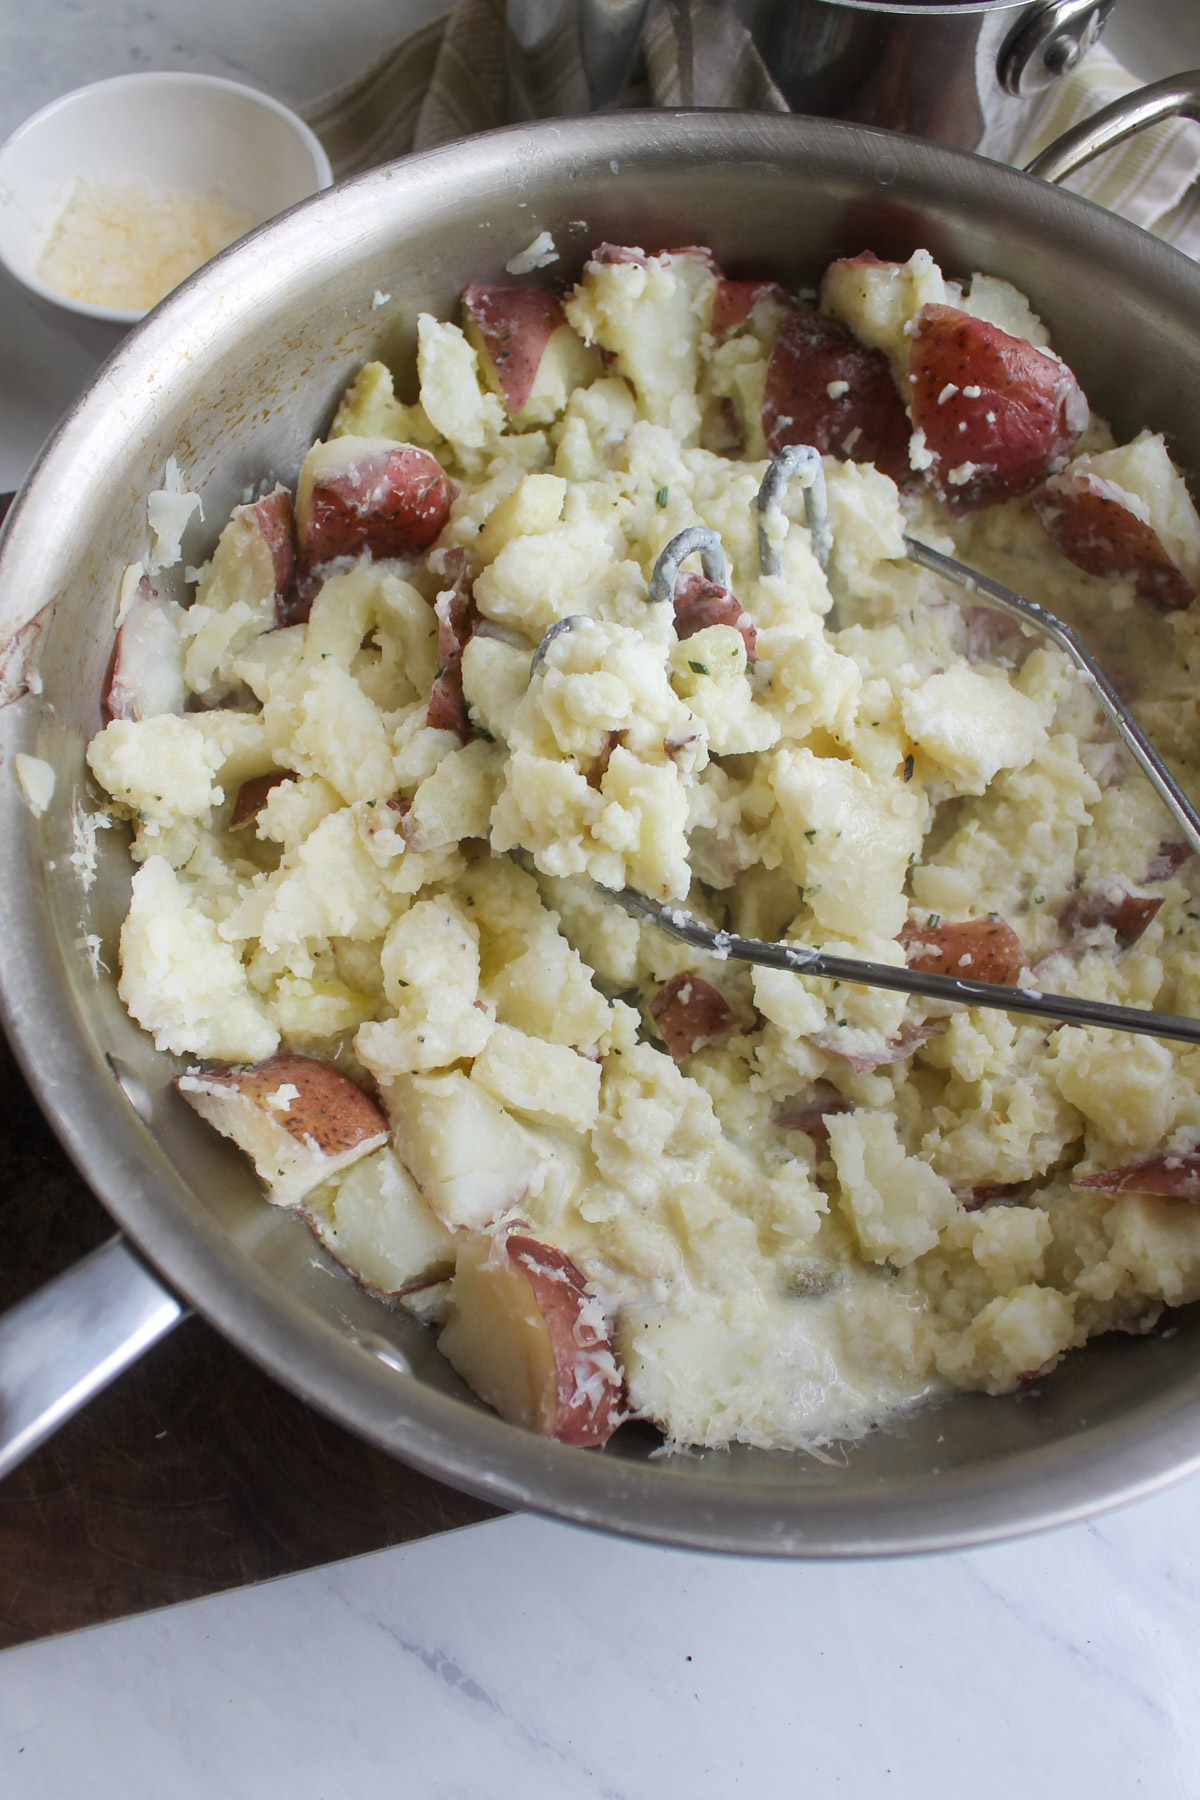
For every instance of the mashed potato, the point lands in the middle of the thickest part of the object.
(769, 1208)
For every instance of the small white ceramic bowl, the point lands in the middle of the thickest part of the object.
(174, 133)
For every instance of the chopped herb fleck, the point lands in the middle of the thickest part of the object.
(935, 920)
(662, 496)
(908, 766)
(811, 835)
(697, 668)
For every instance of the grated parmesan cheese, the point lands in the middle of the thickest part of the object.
(116, 244)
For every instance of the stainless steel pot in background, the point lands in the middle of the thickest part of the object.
(233, 375)
(963, 72)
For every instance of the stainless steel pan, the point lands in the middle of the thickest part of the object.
(234, 375)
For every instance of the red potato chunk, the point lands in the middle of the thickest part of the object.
(997, 415)
(700, 603)
(528, 1338)
(513, 325)
(827, 389)
(863, 1056)
(691, 1013)
(146, 677)
(1112, 903)
(456, 617)
(973, 950)
(298, 1119)
(1092, 523)
(369, 494)
(1173, 1177)
(734, 301)
(275, 518)
(252, 796)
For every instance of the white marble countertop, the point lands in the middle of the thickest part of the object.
(522, 1656)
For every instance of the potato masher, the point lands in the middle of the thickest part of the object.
(802, 462)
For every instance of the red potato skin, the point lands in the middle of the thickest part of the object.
(580, 1417)
(996, 1193)
(252, 795)
(392, 503)
(295, 607)
(973, 950)
(599, 768)
(1026, 417)
(515, 324)
(1066, 952)
(700, 602)
(1166, 1177)
(691, 1013)
(1089, 523)
(607, 254)
(809, 1116)
(332, 1111)
(811, 352)
(447, 703)
(275, 517)
(891, 1050)
(1171, 856)
(992, 637)
(120, 688)
(700, 250)
(1127, 913)
(734, 301)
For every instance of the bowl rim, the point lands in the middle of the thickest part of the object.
(144, 79)
(1109, 1464)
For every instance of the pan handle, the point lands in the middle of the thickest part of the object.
(1178, 97)
(70, 1338)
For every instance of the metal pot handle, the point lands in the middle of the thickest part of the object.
(70, 1338)
(1178, 97)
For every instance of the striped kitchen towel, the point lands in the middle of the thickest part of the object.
(448, 78)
